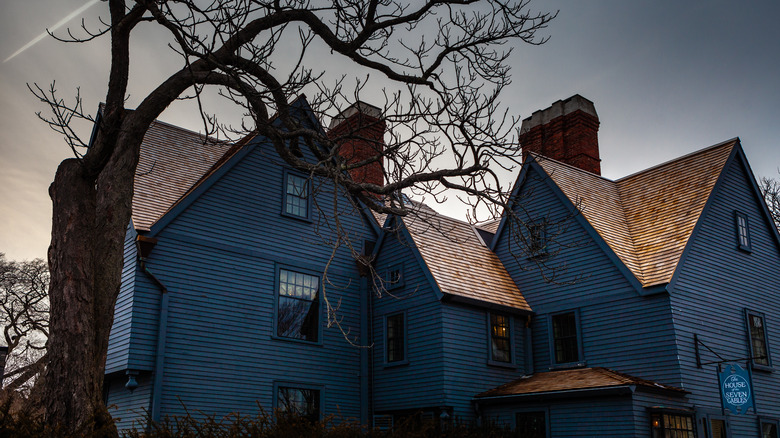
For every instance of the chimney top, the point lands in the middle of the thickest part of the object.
(356, 108)
(557, 109)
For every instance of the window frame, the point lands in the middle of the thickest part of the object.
(742, 244)
(748, 326)
(543, 410)
(277, 282)
(675, 413)
(404, 340)
(392, 285)
(709, 419)
(286, 175)
(771, 421)
(580, 362)
(279, 384)
(537, 239)
(512, 363)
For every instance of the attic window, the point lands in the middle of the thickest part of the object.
(394, 277)
(537, 239)
(296, 196)
(743, 231)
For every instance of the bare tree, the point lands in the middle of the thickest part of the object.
(441, 65)
(770, 190)
(24, 314)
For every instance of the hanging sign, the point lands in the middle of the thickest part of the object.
(736, 389)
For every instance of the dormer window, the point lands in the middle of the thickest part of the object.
(296, 196)
(743, 231)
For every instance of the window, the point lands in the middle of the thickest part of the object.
(565, 338)
(299, 401)
(671, 424)
(394, 277)
(395, 335)
(500, 338)
(743, 231)
(769, 428)
(718, 428)
(758, 341)
(296, 195)
(531, 424)
(298, 313)
(537, 239)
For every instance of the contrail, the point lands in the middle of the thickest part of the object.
(58, 25)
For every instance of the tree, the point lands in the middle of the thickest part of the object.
(442, 66)
(24, 313)
(770, 189)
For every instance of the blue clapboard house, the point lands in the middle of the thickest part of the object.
(592, 308)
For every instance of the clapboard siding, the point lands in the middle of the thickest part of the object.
(714, 285)
(218, 259)
(119, 338)
(129, 409)
(466, 353)
(418, 384)
(620, 329)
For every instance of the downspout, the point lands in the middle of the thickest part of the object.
(145, 245)
(364, 350)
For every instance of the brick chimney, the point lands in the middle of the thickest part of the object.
(567, 131)
(360, 129)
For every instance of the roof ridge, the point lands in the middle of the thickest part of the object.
(680, 158)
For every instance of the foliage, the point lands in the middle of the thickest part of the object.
(265, 425)
(24, 319)
(770, 189)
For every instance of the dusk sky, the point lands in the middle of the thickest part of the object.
(667, 78)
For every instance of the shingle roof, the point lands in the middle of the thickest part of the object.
(460, 264)
(568, 380)
(172, 161)
(647, 217)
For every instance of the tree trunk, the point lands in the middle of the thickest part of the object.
(90, 217)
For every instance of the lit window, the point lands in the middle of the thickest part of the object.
(565, 342)
(298, 315)
(758, 341)
(296, 195)
(299, 402)
(395, 338)
(743, 232)
(500, 339)
(669, 424)
(531, 424)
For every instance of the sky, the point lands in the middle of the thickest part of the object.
(667, 78)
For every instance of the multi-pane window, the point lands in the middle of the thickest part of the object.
(500, 339)
(769, 428)
(565, 342)
(758, 342)
(299, 402)
(537, 239)
(531, 424)
(296, 196)
(393, 277)
(395, 338)
(298, 315)
(743, 232)
(676, 425)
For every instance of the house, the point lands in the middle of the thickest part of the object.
(593, 307)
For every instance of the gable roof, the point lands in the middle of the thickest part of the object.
(648, 217)
(460, 264)
(171, 162)
(552, 382)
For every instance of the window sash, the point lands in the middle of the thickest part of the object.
(758, 345)
(395, 338)
(565, 342)
(298, 306)
(675, 425)
(296, 200)
(299, 401)
(500, 337)
(743, 231)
